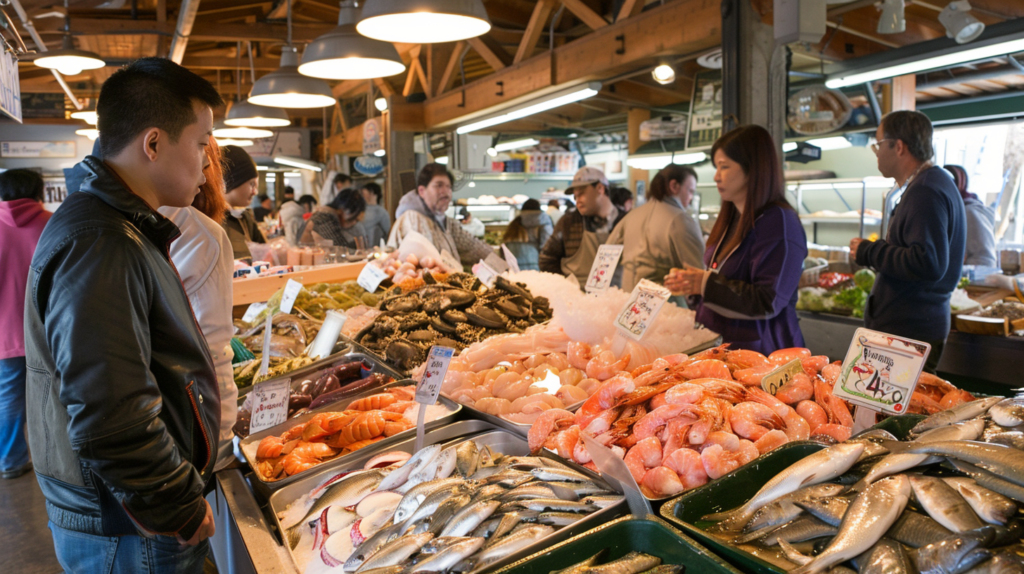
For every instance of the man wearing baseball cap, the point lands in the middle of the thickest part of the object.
(572, 248)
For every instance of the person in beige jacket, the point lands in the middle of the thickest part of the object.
(661, 234)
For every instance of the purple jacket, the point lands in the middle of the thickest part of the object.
(751, 299)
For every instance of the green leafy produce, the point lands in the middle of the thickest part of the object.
(813, 299)
(963, 283)
(854, 298)
(865, 279)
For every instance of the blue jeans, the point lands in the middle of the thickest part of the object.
(13, 448)
(83, 553)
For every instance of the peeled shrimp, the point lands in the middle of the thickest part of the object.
(796, 390)
(687, 464)
(589, 386)
(644, 455)
(578, 355)
(752, 420)
(605, 366)
(546, 424)
(571, 376)
(511, 386)
(558, 361)
(571, 395)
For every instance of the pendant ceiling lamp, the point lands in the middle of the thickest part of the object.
(285, 87)
(243, 113)
(241, 133)
(88, 116)
(423, 21)
(69, 60)
(344, 54)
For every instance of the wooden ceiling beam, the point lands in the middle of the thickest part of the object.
(384, 86)
(203, 30)
(585, 14)
(629, 9)
(533, 29)
(449, 69)
(636, 92)
(228, 63)
(491, 51)
(348, 88)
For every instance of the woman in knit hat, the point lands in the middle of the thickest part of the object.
(240, 184)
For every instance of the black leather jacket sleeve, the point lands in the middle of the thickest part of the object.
(97, 322)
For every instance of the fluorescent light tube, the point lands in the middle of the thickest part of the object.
(589, 90)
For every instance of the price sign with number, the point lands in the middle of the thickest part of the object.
(269, 404)
(774, 380)
(253, 311)
(433, 375)
(510, 259)
(641, 309)
(881, 370)
(603, 269)
(370, 277)
(291, 292)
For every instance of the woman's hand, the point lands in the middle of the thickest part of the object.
(687, 281)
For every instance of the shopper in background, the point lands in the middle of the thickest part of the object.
(291, 216)
(919, 262)
(571, 249)
(660, 235)
(118, 370)
(423, 210)
(981, 223)
(527, 234)
(338, 222)
(471, 224)
(339, 181)
(22, 219)
(203, 257)
(264, 209)
(756, 250)
(377, 221)
(554, 211)
(240, 177)
(622, 198)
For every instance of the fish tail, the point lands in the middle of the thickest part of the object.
(859, 486)
(897, 447)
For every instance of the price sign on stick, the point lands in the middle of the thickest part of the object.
(641, 309)
(603, 269)
(267, 335)
(291, 292)
(510, 260)
(774, 380)
(269, 404)
(429, 386)
(485, 273)
(253, 311)
(881, 371)
(370, 277)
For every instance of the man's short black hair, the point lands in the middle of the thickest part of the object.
(620, 195)
(21, 184)
(914, 128)
(342, 179)
(289, 191)
(148, 93)
(307, 200)
(432, 170)
(375, 189)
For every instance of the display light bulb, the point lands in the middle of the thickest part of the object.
(381, 104)
(664, 74)
(379, 153)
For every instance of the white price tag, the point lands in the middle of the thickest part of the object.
(510, 260)
(433, 375)
(291, 292)
(485, 273)
(269, 404)
(450, 261)
(253, 311)
(370, 277)
(641, 309)
(881, 371)
(603, 269)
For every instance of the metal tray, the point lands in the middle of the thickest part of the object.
(248, 445)
(483, 433)
(340, 348)
(651, 535)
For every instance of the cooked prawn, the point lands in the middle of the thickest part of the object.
(783, 356)
(269, 447)
(373, 402)
(839, 432)
(687, 464)
(745, 359)
(771, 441)
(726, 440)
(644, 455)
(718, 352)
(400, 406)
(954, 398)
(565, 441)
(364, 443)
(662, 481)
(711, 417)
(604, 398)
(684, 393)
(547, 423)
(718, 462)
(602, 422)
(368, 425)
(675, 434)
(796, 427)
(391, 428)
(753, 375)
(830, 373)
(707, 369)
(798, 389)
(834, 406)
(657, 418)
(813, 365)
(731, 391)
(752, 420)
(812, 413)
(605, 366)
(306, 455)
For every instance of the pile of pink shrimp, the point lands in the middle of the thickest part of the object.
(680, 421)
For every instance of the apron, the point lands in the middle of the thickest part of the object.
(239, 238)
(580, 263)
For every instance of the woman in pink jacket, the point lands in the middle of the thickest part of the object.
(22, 219)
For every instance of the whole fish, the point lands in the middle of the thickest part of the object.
(822, 466)
(952, 555)
(450, 556)
(527, 491)
(395, 552)
(897, 463)
(999, 435)
(506, 523)
(801, 529)
(385, 570)
(867, 519)
(558, 518)
(445, 513)
(1000, 459)
(828, 510)
(665, 569)
(445, 461)
(956, 414)
(1002, 563)
(417, 461)
(632, 563)
(556, 505)
(1008, 412)
(571, 491)
(467, 458)
(486, 528)
(943, 503)
(774, 514)
(415, 497)
(991, 506)
(371, 545)
(345, 492)
(437, 544)
(602, 500)
(469, 518)
(489, 492)
(559, 475)
(506, 546)
(580, 567)
(916, 530)
(434, 500)
(990, 480)
(531, 462)
(885, 557)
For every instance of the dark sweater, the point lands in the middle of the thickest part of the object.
(920, 260)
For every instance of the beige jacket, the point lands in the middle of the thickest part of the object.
(656, 237)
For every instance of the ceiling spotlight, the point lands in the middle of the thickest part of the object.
(711, 60)
(423, 21)
(664, 74)
(960, 25)
(892, 20)
(344, 54)
(88, 116)
(381, 104)
(285, 87)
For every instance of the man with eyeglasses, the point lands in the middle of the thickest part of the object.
(920, 260)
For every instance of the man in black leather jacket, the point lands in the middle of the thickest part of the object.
(121, 390)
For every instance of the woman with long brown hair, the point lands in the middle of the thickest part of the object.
(755, 251)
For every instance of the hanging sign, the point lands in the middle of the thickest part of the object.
(270, 404)
(705, 109)
(881, 371)
(603, 269)
(10, 86)
(641, 309)
(371, 136)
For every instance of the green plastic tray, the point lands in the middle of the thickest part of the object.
(900, 425)
(621, 536)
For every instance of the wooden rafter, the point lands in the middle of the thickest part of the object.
(585, 14)
(385, 87)
(491, 51)
(449, 69)
(533, 29)
(629, 9)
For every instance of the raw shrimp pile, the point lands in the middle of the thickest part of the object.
(590, 317)
(332, 434)
(411, 268)
(681, 421)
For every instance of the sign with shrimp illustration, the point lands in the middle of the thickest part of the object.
(270, 404)
(603, 269)
(881, 371)
(641, 309)
(433, 375)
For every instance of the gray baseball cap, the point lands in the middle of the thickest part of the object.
(586, 175)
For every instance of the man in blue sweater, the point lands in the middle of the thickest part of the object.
(920, 260)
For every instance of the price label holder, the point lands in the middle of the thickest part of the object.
(613, 466)
(450, 261)
(429, 386)
(269, 404)
(641, 309)
(268, 328)
(328, 335)
(774, 380)
(253, 311)
(370, 277)
(291, 292)
(603, 269)
(485, 273)
(510, 260)
(880, 372)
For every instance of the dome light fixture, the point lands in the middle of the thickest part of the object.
(70, 61)
(88, 116)
(423, 21)
(241, 133)
(285, 87)
(664, 74)
(228, 141)
(246, 114)
(345, 54)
